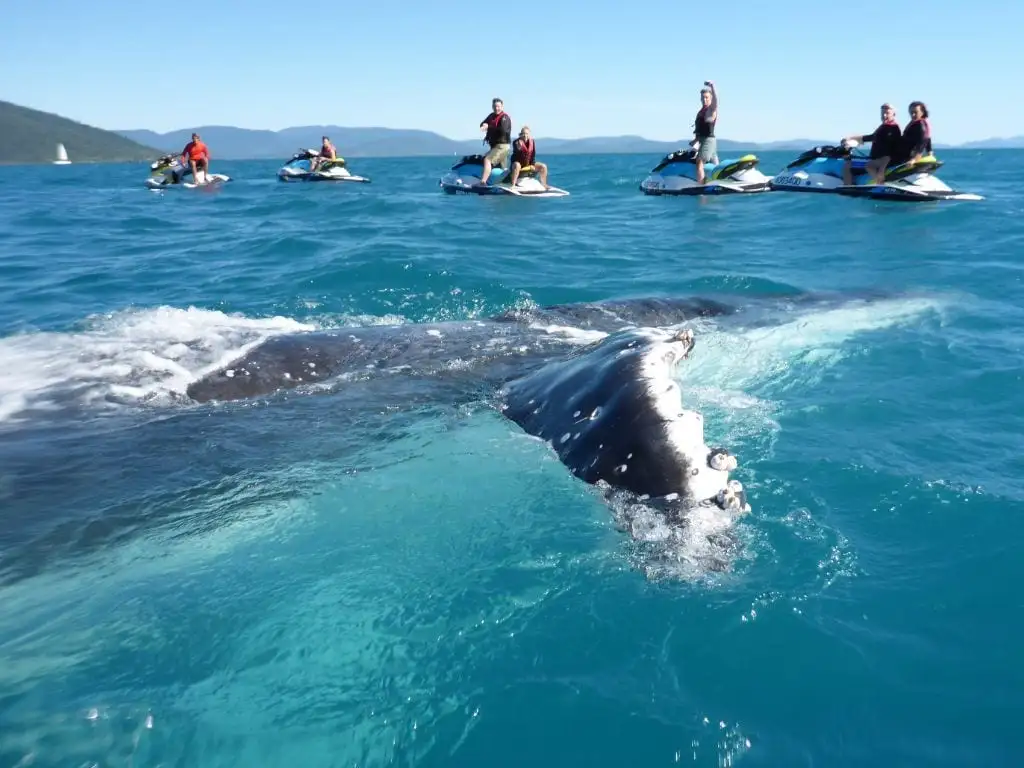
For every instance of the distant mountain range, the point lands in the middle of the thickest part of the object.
(231, 143)
(30, 136)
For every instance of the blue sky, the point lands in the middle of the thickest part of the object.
(569, 68)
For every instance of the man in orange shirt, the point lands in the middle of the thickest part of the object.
(197, 155)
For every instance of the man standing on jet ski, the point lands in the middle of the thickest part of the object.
(498, 127)
(327, 152)
(885, 146)
(524, 154)
(704, 129)
(194, 155)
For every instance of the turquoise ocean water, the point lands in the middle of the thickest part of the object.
(293, 581)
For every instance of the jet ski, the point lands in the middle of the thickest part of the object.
(821, 170)
(465, 176)
(167, 171)
(297, 169)
(676, 174)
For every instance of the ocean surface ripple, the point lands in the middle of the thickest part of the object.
(376, 575)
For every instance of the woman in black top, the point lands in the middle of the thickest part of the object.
(917, 136)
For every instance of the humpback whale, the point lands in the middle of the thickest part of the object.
(607, 404)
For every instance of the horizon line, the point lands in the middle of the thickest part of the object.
(633, 136)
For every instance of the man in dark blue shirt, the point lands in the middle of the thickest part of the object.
(885, 144)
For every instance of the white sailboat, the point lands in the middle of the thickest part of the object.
(62, 155)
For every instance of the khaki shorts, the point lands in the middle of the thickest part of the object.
(707, 149)
(498, 155)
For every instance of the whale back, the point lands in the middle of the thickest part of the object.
(613, 414)
(615, 315)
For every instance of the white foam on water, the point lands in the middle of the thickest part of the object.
(135, 356)
(729, 360)
(724, 364)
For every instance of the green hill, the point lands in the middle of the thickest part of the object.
(30, 136)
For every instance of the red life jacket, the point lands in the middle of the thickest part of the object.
(527, 152)
(927, 132)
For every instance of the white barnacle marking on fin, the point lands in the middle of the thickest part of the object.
(621, 469)
(576, 415)
(565, 437)
(596, 413)
(231, 372)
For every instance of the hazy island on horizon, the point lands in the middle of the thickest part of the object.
(30, 136)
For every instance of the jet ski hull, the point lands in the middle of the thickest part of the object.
(464, 178)
(904, 192)
(167, 174)
(821, 170)
(312, 177)
(676, 174)
(298, 169)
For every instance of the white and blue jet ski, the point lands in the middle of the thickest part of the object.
(821, 170)
(168, 172)
(465, 175)
(676, 174)
(298, 169)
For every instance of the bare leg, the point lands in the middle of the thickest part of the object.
(883, 162)
(700, 171)
(486, 173)
(848, 172)
(515, 173)
(543, 171)
(195, 174)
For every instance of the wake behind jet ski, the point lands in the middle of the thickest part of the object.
(465, 177)
(821, 170)
(676, 174)
(168, 171)
(298, 169)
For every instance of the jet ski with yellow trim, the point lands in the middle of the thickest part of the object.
(465, 175)
(301, 163)
(676, 174)
(168, 171)
(821, 170)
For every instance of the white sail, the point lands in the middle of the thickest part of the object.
(62, 155)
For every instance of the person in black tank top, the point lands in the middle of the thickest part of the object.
(704, 129)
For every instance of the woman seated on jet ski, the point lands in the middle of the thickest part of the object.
(917, 136)
(327, 152)
(524, 154)
(885, 145)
